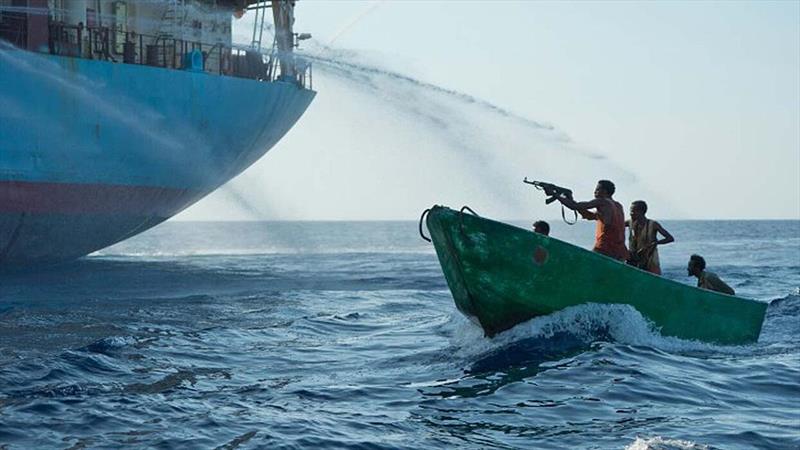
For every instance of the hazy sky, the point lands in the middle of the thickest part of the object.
(694, 106)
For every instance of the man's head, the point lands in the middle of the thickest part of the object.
(541, 227)
(696, 265)
(638, 209)
(604, 189)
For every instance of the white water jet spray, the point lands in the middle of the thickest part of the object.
(381, 144)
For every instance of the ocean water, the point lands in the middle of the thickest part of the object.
(344, 335)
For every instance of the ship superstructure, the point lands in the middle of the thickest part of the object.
(116, 115)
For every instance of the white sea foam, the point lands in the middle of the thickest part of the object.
(659, 443)
(117, 341)
(588, 322)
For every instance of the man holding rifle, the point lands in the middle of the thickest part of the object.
(609, 238)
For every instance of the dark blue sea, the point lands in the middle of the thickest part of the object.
(344, 335)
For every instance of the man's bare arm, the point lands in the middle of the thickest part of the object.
(667, 237)
(583, 207)
(578, 206)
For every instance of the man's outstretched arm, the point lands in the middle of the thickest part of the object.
(581, 207)
(578, 206)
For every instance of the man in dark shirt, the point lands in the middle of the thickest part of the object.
(705, 279)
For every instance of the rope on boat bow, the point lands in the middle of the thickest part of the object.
(421, 219)
(468, 209)
(461, 216)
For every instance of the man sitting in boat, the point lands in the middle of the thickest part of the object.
(643, 240)
(609, 238)
(541, 227)
(705, 279)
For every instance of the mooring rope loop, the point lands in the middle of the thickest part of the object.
(421, 219)
(461, 217)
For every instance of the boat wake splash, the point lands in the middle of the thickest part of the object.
(579, 327)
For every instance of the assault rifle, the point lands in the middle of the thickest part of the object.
(553, 193)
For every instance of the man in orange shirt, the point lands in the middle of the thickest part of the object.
(609, 238)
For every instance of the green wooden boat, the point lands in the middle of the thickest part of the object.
(501, 275)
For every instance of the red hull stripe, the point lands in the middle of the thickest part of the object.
(69, 198)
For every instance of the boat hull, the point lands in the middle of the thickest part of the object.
(501, 275)
(93, 152)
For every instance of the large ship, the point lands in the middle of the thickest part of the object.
(117, 115)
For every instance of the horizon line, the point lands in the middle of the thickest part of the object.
(557, 220)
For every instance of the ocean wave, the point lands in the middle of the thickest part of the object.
(786, 306)
(781, 324)
(109, 344)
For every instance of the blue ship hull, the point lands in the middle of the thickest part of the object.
(94, 152)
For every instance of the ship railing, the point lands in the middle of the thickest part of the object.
(13, 28)
(129, 47)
